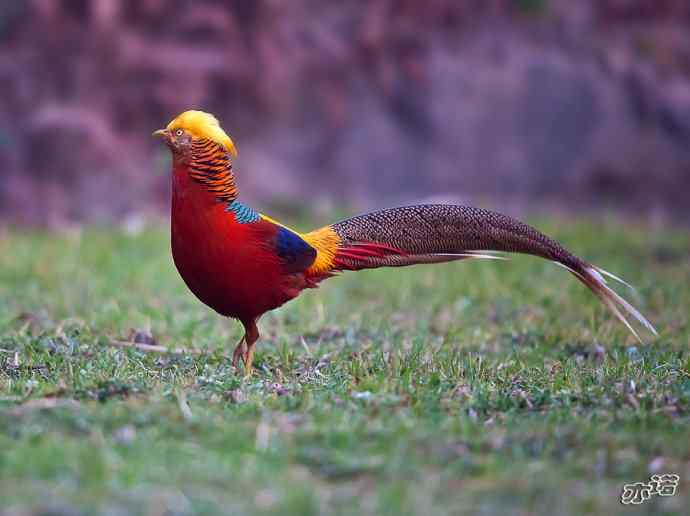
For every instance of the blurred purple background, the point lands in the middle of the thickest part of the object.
(543, 104)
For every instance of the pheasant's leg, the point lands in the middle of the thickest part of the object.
(240, 351)
(251, 336)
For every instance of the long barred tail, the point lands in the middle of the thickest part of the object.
(433, 233)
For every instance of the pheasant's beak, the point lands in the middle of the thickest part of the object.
(161, 132)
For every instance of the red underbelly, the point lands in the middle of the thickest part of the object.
(226, 264)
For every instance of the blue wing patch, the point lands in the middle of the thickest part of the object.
(294, 252)
(243, 213)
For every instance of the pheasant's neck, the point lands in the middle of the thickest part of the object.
(204, 181)
(210, 166)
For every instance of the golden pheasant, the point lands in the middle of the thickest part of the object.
(243, 264)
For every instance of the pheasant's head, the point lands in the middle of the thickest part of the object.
(201, 149)
(194, 126)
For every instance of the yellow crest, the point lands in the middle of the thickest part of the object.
(203, 125)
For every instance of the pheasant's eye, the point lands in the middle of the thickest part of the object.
(179, 132)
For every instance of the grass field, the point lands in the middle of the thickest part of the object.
(466, 388)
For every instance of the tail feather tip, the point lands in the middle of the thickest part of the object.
(594, 278)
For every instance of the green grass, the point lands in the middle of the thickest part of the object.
(466, 388)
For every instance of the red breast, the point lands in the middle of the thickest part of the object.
(227, 265)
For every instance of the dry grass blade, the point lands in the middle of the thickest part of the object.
(154, 348)
(43, 404)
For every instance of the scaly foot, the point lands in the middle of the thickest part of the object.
(240, 352)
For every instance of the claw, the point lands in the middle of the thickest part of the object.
(245, 349)
(248, 359)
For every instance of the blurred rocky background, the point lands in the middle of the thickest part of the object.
(545, 104)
